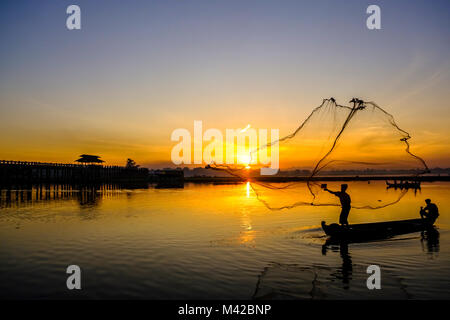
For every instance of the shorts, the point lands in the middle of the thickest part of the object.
(344, 215)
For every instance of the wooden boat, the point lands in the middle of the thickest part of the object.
(403, 185)
(376, 230)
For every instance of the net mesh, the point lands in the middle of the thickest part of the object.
(336, 140)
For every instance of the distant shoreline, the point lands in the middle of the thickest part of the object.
(274, 179)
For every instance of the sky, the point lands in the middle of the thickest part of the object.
(138, 70)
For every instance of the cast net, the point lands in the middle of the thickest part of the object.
(335, 142)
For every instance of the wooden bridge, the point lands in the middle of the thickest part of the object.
(15, 172)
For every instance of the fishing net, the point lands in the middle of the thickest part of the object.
(334, 141)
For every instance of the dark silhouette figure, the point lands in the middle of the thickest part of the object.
(347, 267)
(430, 211)
(430, 239)
(346, 271)
(344, 197)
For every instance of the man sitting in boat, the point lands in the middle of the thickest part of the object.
(344, 197)
(431, 211)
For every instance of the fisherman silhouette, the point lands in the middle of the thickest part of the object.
(344, 197)
(431, 211)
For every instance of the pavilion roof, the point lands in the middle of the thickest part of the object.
(87, 158)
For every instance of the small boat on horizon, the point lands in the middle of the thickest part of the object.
(403, 184)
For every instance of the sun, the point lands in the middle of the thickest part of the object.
(245, 159)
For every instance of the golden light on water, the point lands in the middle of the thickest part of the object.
(247, 236)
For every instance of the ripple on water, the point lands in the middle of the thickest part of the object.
(291, 281)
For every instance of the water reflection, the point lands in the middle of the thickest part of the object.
(160, 241)
(87, 195)
(248, 189)
(429, 240)
(345, 272)
(346, 269)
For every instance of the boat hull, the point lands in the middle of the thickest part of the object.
(376, 230)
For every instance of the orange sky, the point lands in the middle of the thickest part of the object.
(119, 89)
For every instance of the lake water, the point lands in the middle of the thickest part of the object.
(212, 242)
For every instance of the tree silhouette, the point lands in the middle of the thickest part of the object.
(131, 164)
